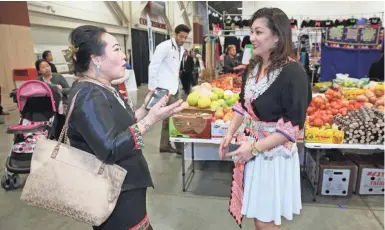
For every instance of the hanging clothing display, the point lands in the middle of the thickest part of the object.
(327, 23)
(351, 22)
(211, 52)
(293, 23)
(307, 23)
(355, 38)
(362, 22)
(375, 22)
(350, 51)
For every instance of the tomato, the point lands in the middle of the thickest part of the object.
(330, 120)
(310, 110)
(318, 122)
(318, 100)
(332, 104)
(329, 112)
(334, 111)
(327, 105)
(357, 105)
(344, 112)
(336, 106)
(322, 107)
(325, 118)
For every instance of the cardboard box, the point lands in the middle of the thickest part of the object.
(208, 74)
(198, 111)
(369, 174)
(219, 130)
(190, 125)
(336, 174)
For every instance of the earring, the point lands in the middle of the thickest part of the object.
(97, 70)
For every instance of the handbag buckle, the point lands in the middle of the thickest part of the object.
(55, 152)
(101, 169)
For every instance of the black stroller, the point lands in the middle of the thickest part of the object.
(37, 109)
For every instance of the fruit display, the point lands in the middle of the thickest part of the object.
(322, 108)
(343, 80)
(363, 126)
(228, 82)
(224, 114)
(205, 96)
(371, 100)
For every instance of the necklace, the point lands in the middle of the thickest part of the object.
(109, 88)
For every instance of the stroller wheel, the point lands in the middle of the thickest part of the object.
(6, 183)
(15, 181)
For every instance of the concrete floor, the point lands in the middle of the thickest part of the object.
(203, 206)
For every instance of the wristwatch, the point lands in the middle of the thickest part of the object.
(254, 150)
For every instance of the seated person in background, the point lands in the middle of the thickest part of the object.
(231, 63)
(57, 82)
(60, 90)
(47, 56)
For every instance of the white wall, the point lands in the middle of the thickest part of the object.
(56, 40)
(52, 22)
(173, 13)
(319, 10)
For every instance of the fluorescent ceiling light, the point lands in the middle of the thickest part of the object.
(240, 8)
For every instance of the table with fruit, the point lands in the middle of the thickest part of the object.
(333, 118)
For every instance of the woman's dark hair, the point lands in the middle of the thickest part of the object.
(45, 54)
(279, 24)
(182, 28)
(87, 40)
(38, 62)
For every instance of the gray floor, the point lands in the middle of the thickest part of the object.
(203, 206)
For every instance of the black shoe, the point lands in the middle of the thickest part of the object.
(167, 150)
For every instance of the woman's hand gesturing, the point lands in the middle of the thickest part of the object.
(161, 111)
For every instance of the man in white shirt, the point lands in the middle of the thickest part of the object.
(163, 72)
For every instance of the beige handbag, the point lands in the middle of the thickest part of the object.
(72, 182)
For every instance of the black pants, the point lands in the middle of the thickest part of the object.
(130, 210)
(186, 80)
(194, 79)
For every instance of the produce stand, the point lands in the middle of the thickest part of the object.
(319, 147)
(344, 114)
(208, 149)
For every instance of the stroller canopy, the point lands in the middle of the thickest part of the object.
(33, 88)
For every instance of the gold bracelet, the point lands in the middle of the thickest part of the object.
(254, 150)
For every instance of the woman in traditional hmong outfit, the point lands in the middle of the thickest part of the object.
(273, 101)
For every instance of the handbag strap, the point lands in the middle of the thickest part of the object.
(63, 133)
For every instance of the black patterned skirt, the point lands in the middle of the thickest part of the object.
(130, 212)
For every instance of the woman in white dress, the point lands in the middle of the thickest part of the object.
(273, 101)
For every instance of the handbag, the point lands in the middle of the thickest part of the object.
(72, 182)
